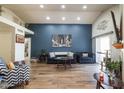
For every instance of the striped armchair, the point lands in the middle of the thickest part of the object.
(18, 75)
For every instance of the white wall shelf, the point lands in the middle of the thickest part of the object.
(10, 23)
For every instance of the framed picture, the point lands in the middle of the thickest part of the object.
(20, 38)
(60, 40)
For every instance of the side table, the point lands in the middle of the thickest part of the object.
(43, 57)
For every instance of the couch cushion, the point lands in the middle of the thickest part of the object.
(10, 65)
(70, 54)
(52, 54)
(61, 53)
(84, 54)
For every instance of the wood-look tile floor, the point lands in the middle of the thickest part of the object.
(48, 76)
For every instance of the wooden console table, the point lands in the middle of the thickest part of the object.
(116, 83)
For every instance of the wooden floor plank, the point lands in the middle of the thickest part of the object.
(47, 76)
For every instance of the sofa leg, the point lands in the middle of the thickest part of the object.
(27, 82)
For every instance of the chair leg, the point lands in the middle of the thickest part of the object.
(98, 85)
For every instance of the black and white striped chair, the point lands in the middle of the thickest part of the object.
(18, 75)
(24, 72)
(10, 76)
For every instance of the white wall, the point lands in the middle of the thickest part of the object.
(106, 15)
(9, 49)
(11, 16)
(19, 47)
(6, 44)
(123, 49)
(7, 21)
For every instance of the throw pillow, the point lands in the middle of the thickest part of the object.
(10, 65)
(2, 63)
(52, 54)
(85, 54)
(70, 54)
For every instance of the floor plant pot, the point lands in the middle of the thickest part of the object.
(111, 77)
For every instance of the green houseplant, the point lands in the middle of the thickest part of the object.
(43, 55)
(44, 52)
(114, 67)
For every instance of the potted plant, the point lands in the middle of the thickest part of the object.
(43, 55)
(114, 68)
(112, 65)
(118, 45)
(44, 52)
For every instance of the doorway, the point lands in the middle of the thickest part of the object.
(28, 50)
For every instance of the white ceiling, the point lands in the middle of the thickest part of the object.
(32, 13)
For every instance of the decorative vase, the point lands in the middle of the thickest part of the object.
(118, 45)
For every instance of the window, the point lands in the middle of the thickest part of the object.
(102, 45)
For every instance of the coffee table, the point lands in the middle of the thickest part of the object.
(63, 61)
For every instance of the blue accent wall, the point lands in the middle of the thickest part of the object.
(42, 39)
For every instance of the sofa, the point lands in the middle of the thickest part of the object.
(17, 76)
(86, 57)
(53, 55)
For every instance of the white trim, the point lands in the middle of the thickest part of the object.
(8, 22)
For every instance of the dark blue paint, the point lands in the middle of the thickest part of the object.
(81, 37)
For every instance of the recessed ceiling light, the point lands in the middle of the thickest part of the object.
(84, 6)
(42, 6)
(47, 18)
(63, 18)
(78, 18)
(63, 6)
